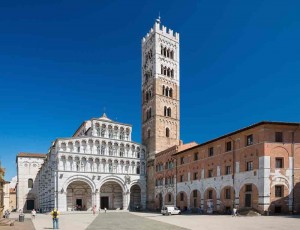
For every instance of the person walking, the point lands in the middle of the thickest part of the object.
(105, 209)
(234, 210)
(33, 214)
(55, 216)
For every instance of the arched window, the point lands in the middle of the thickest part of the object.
(167, 132)
(168, 72)
(30, 183)
(168, 53)
(163, 90)
(165, 71)
(172, 73)
(165, 51)
(162, 69)
(162, 50)
(167, 91)
(170, 92)
(138, 170)
(172, 54)
(165, 111)
(169, 112)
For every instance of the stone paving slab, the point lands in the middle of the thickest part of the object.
(128, 221)
(26, 225)
(216, 222)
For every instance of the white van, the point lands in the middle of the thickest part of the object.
(170, 210)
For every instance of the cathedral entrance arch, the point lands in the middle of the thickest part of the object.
(79, 196)
(111, 195)
(135, 197)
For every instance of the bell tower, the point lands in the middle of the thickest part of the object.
(160, 89)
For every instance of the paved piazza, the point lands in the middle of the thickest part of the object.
(153, 221)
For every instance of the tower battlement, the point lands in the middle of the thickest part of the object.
(158, 28)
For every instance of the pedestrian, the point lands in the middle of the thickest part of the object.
(33, 213)
(234, 211)
(55, 216)
(105, 209)
(94, 210)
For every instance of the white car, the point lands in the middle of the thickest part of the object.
(170, 210)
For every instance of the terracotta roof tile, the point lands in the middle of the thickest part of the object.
(37, 155)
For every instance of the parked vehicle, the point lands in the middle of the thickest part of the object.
(170, 210)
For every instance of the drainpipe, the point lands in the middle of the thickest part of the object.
(233, 171)
(175, 197)
(293, 169)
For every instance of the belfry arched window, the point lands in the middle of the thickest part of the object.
(165, 111)
(169, 112)
(167, 132)
(163, 90)
(30, 183)
(171, 92)
(149, 133)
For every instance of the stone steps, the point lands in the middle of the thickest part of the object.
(6, 222)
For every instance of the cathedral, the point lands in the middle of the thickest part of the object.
(100, 165)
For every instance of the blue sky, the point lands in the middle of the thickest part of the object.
(63, 62)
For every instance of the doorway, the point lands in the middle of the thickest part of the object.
(104, 202)
(30, 204)
(248, 200)
(79, 202)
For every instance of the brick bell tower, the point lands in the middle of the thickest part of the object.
(160, 96)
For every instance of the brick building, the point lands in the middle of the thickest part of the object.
(255, 167)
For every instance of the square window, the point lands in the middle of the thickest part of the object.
(228, 170)
(278, 137)
(196, 156)
(278, 191)
(279, 162)
(228, 146)
(211, 151)
(249, 140)
(210, 173)
(249, 166)
(248, 187)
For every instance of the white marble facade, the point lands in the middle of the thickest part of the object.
(98, 166)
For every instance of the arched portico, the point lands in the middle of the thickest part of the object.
(73, 190)
(111, 195)
(135, 197)
(79, 196)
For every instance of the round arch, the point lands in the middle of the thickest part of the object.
(227, 198)
(79, 196)
(181, 200)
(79, 178)
(210, 200)
(135, 197)
(248, 196)
(169, 198)
(112, 193)
(195, 198)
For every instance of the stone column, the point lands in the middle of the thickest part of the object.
(126, 199)
(62, 201)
